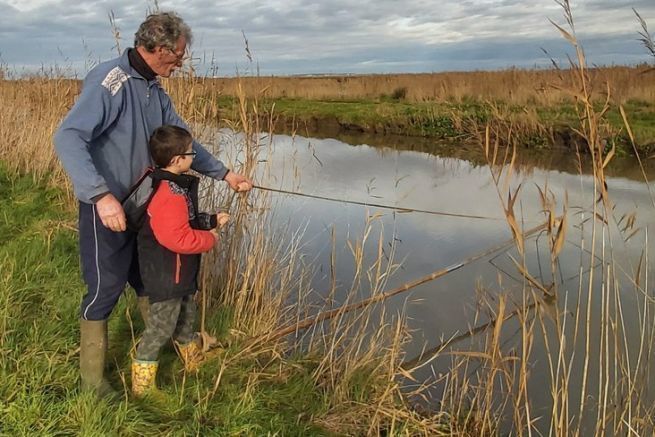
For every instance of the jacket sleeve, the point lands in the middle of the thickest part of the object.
(207, 221)
(204, 162)
(95, 110)
(169, 220)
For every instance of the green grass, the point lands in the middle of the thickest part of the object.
(382, 116)
(437, 120)
(40, 291)
(641, 116)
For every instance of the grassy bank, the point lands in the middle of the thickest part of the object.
(538, 105)
(39, 296)
(237, 392)
(533, 126)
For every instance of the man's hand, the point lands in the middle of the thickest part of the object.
(111, 213)
(237, 182)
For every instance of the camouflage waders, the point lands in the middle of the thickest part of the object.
(170, 318)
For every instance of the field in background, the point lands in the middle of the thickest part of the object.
(535, 105)
(514, 86)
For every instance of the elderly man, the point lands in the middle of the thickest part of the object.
(103, 146)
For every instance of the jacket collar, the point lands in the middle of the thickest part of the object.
(126, 66)
(140, 65)
(183, 180)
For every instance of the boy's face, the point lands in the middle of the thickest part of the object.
(182, 163)
(187, 159)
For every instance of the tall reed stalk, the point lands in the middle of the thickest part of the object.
(598, 365)
(33, 110)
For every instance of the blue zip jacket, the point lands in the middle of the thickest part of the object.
(103, 141)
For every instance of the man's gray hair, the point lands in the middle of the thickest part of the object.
(162, 29)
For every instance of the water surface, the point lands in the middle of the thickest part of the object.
(412, 173)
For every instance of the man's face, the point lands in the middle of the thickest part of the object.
(169, 60)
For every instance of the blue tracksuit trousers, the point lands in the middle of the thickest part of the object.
(108, 261)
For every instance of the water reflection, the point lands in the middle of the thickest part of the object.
(559, 159)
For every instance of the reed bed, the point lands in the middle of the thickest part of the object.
(447, 105)
(33, 109)
(597, 358)
(515, 86)
(261, 278)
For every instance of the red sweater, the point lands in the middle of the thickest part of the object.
(169, 219)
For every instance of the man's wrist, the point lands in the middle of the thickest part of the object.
(95, 199)
(226, 173)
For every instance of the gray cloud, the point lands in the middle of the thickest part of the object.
(300, 36)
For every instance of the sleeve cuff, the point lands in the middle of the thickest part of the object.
(97, 197)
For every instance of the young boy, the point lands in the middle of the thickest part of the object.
(170, 243)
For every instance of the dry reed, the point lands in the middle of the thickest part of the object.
(525, 87)
(597, 358)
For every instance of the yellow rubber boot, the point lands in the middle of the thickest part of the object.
(191, 355)
(143, 377)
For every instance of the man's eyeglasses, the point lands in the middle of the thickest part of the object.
(179, 57)
(191, 154)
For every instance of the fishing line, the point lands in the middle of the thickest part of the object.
(377, 205)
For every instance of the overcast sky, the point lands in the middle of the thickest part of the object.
(340, 36)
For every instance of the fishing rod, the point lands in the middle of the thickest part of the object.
(326, 315)
(377, 205)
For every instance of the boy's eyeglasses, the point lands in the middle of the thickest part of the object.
(192, 154)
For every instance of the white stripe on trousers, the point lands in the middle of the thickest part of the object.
(95, 237)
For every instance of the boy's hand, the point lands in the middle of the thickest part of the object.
(222, 219)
